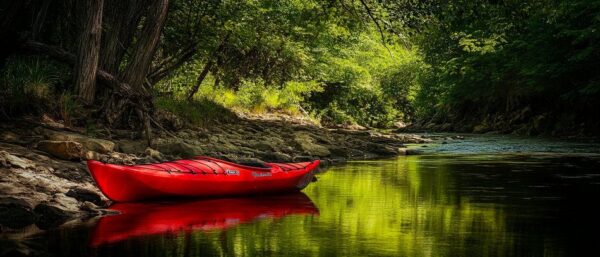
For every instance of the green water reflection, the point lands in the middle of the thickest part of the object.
(410, 206)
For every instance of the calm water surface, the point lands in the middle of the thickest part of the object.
(453, 201)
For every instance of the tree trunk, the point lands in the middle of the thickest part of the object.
(212, 60)
(194, 89)
(88, 51)
(137, 69)
(39, 20)
(120, 24)
(69, 58)
(139, 65)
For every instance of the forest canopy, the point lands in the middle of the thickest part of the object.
(452, 65)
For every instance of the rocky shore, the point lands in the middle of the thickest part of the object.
(45, 180)
(523, 122)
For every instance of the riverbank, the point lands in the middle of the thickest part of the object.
(520, 123)
(45, 180)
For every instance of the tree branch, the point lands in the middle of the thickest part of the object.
(379, 28)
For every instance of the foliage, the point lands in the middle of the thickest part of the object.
(499, 57)
(350, 61)
(368, 84)
(200, 112)
(29, 84)
(284, 62)
(69, 108)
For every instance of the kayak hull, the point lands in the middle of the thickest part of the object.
(198, 177)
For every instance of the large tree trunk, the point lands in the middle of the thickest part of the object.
(88, 51)
(137, 69)
(69, 58)
(120, 25)
(139, 65)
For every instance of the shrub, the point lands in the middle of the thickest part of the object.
(28, 84)
(69, 108)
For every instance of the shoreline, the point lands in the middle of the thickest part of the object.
(45, 179)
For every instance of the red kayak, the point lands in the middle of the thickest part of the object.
(198, 177)
(152, 218)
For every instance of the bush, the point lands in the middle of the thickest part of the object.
(69, 109)
(28, 84)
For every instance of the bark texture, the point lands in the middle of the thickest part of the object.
(88, 51)
(138, 67)
(120, 24)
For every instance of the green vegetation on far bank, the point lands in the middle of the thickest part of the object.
(526, 67)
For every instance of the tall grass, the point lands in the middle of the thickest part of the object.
(252, 96)
(28, 84)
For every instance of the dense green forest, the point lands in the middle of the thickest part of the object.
(528, 67)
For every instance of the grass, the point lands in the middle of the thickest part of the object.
(199, 112)
(28, 84)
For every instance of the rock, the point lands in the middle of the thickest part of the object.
(178, 148)
(402, 151)
(8, 136)
(8, 160)
(97, 145)
(91, 208)
(308, 145)
(89, 144)
(355, 127)
(46, 120)
(91, 155)
(66, 150)
(83, 195)
(262, 146)
(168, 119)
(339, 152)
(400, 124)
(156, 155)
(109, 212)
(381, 149)
(121, 158)
(411, 151)
(132, 147)
(50, 215)
(15, 213)
(303, 159)
(275, 157)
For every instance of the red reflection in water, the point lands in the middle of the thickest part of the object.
(139, 219)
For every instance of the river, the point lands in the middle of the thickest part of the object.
(482, 196)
